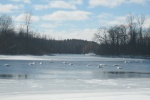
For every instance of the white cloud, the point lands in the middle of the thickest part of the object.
(85, 34)
(61, 4)
(21, 17)
(105, 16)
(71, 4)
(19, 26)
(78, 2)
(40, 7)
(25, 1)
(15, 0)
(117, 21)
(107, 19)
(114, 3)
(49, 25)
(107, 3)
(67, 15)
(147, 22)
(138, 1)
(35, 18)
(8, 8)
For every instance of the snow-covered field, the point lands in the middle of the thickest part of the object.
(57, 79)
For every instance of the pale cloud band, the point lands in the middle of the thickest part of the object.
(85, 34)
(114, 3)
(8, 8)
(59, 16)
(24, 1)
(67, 15)
(21, 18)
(71, 4)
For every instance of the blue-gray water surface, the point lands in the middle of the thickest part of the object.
(72, 67)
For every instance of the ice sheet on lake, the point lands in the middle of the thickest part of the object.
(55, 80)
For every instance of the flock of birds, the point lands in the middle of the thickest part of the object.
(99, 66)
(116, 65)
(103, 65)
(41, 63)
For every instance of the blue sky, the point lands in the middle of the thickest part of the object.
(63, 19)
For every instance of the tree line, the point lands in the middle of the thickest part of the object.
(131, 38)
(25, 41)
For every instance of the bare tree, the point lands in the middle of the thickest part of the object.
(124, 33)
(130, 21)
(6, 23)
(27, 22)
(101, 35)
(140, 21)
(132, 29)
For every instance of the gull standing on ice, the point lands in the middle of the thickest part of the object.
(6, 65)
(33, 63)
(70, 64)
(51, 61)
(41, 63)
(119, 67)
(116, 65)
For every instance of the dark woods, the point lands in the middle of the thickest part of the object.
(25, 41)
(130, 39)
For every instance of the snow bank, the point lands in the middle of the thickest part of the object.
(112, 89)
(82, 96)
(24, 57)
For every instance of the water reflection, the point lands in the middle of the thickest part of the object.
(11, 76)
(120, 74)
(77, 75)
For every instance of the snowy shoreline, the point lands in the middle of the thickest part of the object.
(37, 57)
(126, 56)
(128, 95)
(52, 57)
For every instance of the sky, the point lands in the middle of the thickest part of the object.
(73, 19)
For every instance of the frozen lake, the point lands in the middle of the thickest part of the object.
(73, 77)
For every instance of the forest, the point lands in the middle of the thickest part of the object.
(25, 41)
(132, 38)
